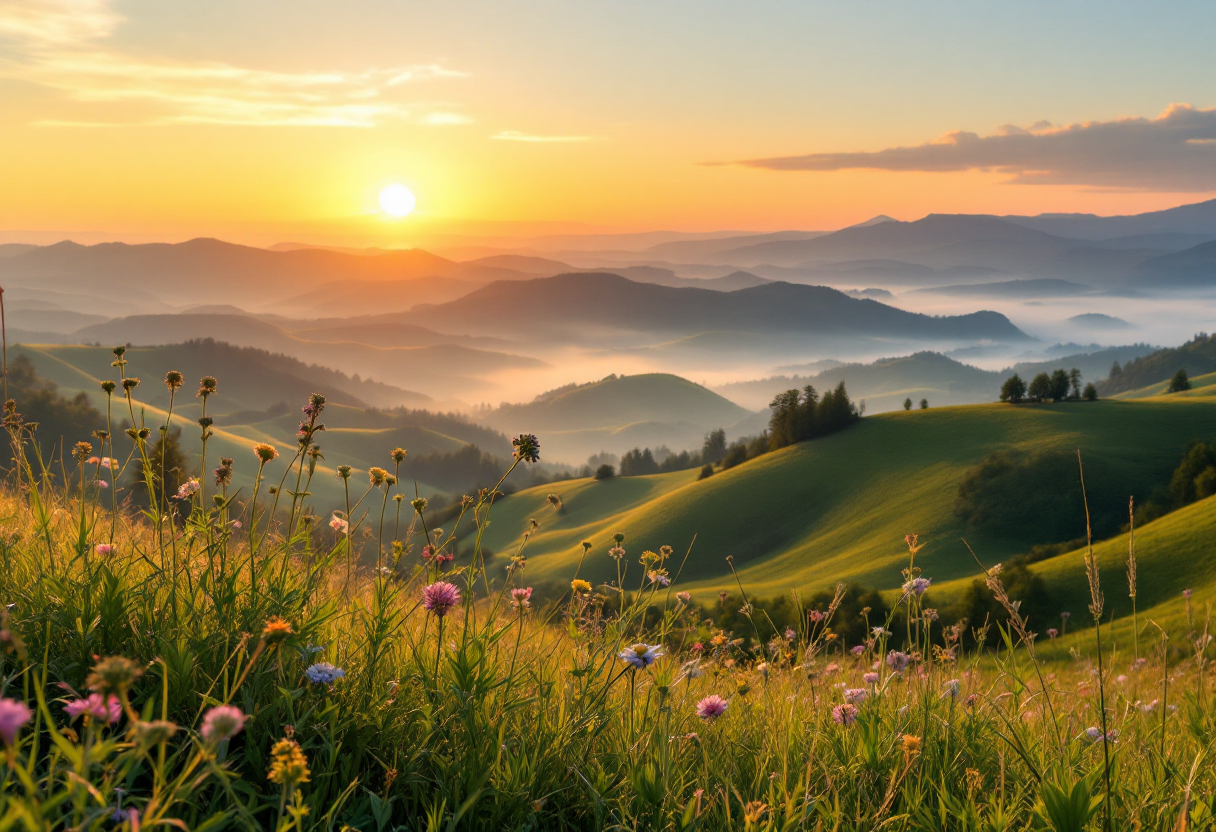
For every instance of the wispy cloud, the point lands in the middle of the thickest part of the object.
(516, 136)
(1174, 152)
(60, 44)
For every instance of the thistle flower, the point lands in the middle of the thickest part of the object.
(288, 765)
(104, 549)
(641, 656)
(276, 631)
(338, 524)
(265, 452)
(580, 586)
(712, 707)
(440, 597)
(206, 386)
(324, 673)
(113, 675)
(521, 597)
(898, 661)
(188, 488)
(97, 707)
(845, 714)
(526, 447)
(855, 696)
(173, 379)
(13, 715)
(1052, 632)
(222, 722)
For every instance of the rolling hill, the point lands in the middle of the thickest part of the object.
(838, 508)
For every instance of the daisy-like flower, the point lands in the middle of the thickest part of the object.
(855, 696)
(338, 524)
(276, 631)
(324, 673)
(845, 714)
(521, 597)
(580, 586)
(103, 549)
(222, 722)
(440, 597)
(97, 707)
(187, 488)
(712, 707)
(265, 452)
(13, 715)
(898, 661)
(641, 656)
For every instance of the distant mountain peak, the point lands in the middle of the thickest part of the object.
(878, 220)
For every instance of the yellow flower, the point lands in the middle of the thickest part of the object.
(580, 586)
(276, 630)
(288, 765)
(911, 744)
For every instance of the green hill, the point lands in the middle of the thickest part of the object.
(838, 508)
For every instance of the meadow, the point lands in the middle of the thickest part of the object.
(224, 659)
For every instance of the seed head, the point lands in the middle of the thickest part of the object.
(129, 384)
(173, 379)
(526, 447)
(265, 452)
(618, 538)
(206, 386)
(108, 387)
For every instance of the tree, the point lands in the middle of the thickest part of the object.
(1060, 382)
(638, 463)
(1074, 377)
(605, 472)
(924, 404)
(1040, 387)
(907, 404)
(1013, 390)
(1115, 370)
(715, 447)
(1091, 393)
(1180, 381)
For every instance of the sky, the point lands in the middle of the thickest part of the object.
(271, 121)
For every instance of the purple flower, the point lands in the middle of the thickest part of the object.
(790, 635)
(1052, 632)
(870, 678)
(521, 597)
(845, 714)
(858, 650)
(898, 661)
(440, 597)
(711, 707)
(855, 696)
(324, 673)
(917, 586)
(1095, 735)
(641, 656)
(97, 707)
(13, 715)
(187, 488)
(222, 722)
(815, 616)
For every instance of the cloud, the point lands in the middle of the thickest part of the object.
(1174, 152)
(516, 136)
(60, 44)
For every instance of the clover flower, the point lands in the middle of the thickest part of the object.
(521, 597)
(440, 597)
(845, 714)
(712, 707)
(898, 661)
(104, 549)
(13, 715)
(855, 696)
(95, 706)
(641, 656)
(324, 673)
(222, 722)
(288, 765)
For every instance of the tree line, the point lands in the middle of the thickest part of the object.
(799, 415)
(1060, 386)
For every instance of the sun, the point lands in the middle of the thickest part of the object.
(397, 201)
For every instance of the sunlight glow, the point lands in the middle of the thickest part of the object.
(397, 201)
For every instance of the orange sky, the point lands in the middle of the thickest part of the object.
(141, 120)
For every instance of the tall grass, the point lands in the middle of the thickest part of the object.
(250, 671)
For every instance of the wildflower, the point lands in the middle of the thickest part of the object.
(338, 524)
(917, 586)
(1186, 593)
(580, 586)
(855, 696)
(104, 549)
(102, 484)
(288, 765)
(879, 631)
(521, 597)
(158, 731)
(526, 447)
(790, 634)
(1065, 615)
(206, 386)
(376, 475)
(845, 714)
(82, 450)
(398, 455)
(1120, 679)
(265, 452)
(276, 631)
(830, 669)
(1140, 662)
(683, 597)
(815, 616)
(616, 552)
(857, 650)
(187, 488)
(929, 614)
(13, 715)
(898, 661)
(657, 577)
(344, 471)
(129, 384)
(236, 524)
(324, 673)
(1148, 707)
(102, 709)
(911, 745)
(971, 700)
(1052, 632)
(222, 722)
(108, 462)
(1094, 735)
(223, 474)
(173, 379)
(697, 647)
(440, 597)
(113, 675)
(712, 707)
(108, 387)
(418, 504)
(641, 656)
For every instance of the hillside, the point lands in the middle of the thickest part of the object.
(1197, 357)
(1191, 268)
(838, 508)
(573, 304)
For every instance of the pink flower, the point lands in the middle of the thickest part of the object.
(855, 696)
(440, 597)
(13, 715)
(790, 635)
(187, 488)
(92, 461)
(236, 524)
(712, 707)
(222, 722)
(338, 524)
(107, 462)
(102, 484)
(815, 615)
(683, 597)
(898, 661)
(95, 707)
(1052, 632)
(697, 647)
(858, 650)
(103, 549)
(830, 669)
(521, 597)
(845, 714)
(870, 678)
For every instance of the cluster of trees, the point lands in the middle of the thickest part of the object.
(1193, 479)
(924, 404)
(801, 414)
(642, 461)
(61, 421)
(1061, 385)
(1195, 357)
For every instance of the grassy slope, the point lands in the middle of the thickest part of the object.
(1201, 387)
(838, 508)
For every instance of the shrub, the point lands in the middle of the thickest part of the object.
(706, 472)
(605, 472)
(1180, 381)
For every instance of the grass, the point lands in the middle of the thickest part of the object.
(837, 508)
